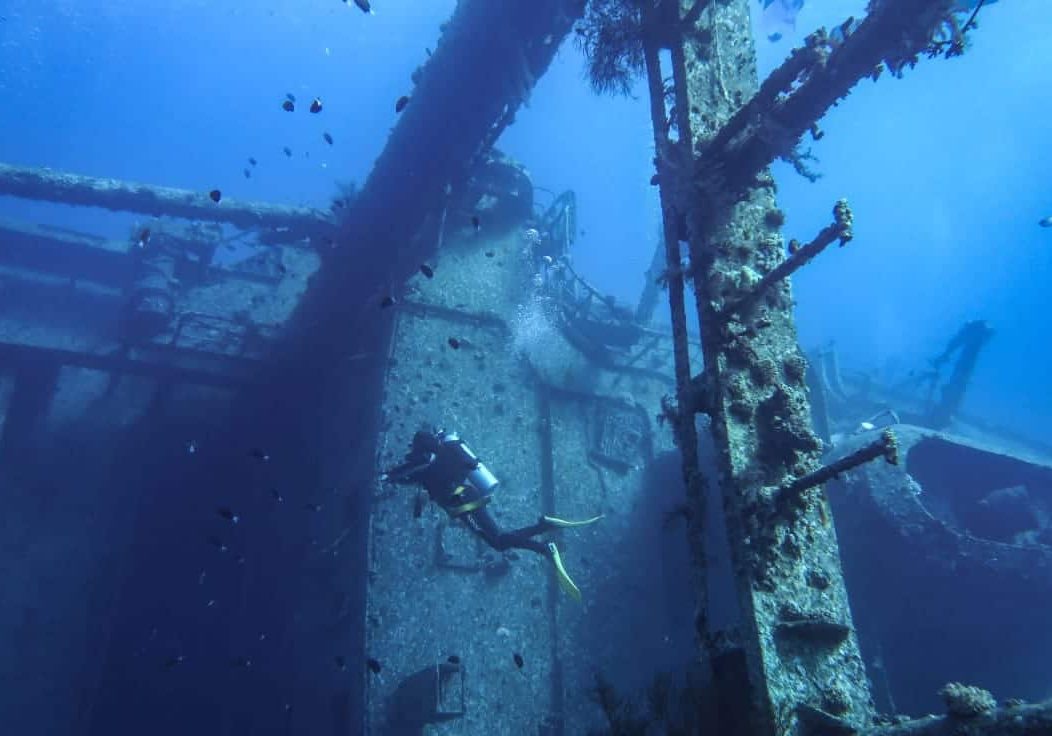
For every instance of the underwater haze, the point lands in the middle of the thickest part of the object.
(138, 596)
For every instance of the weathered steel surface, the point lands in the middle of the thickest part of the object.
(802, 653)
(566, 435)
(146, 199)
(483, 69)
(1023, 719)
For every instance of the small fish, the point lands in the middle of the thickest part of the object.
(1047, 222)
(490, 254)
(173, 661)
(401, 103)
(315, 105)
(288, 106)
(277, 495)
(262, 636)
(338, 203)
(144, 238)
(374, 665)
(453, 659)
(655, 180)
(282, 268)
(201, 578)
(247, 173)
(418, 506)
(387, 301)
(427, 270)
(341, 663)
(364, 6)
(215, 195)
(243, 662)
(211, 603)
(327, 138)
(290, 97)
(778, 17)
(228, 514)
(519, 662)
(427, 51)
(315, 507)
(476, 223)
(288, 151)
(259, 454)
(218, 544)
(454, 343)
(252, 161)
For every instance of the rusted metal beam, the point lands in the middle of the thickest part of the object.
(154, 201)
(804, 667)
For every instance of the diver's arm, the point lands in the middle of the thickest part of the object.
(406, 472)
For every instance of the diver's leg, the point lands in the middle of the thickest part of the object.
(483, 524)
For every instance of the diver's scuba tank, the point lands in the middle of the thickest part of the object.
(480, 476)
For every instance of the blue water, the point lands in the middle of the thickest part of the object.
(947, 170)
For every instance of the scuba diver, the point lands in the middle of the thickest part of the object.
(457, 481)
(966, 345)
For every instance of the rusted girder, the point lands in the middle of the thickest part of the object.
(799, 256)
(786, 560)
(146, 199)
(813, 79)
(885, 447)
(1016, 719)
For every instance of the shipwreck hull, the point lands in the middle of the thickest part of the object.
(565, 435)
(949, 569)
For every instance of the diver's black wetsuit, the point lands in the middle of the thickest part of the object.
(442, 464)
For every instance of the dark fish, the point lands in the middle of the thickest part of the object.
(327, 137)
(418, 506)
(247, 173)
(218, 543)
(453, 659)
(173, 661)
(341, 663)
(1047, 222)
(387, 301)
(288, 106)
(476, 223)
(454, 343)
(228, 514)
(259, 454)
(312, 507)
(252, 161)
(519, 662)
(215, 195)
(277, 495)
(427, 270)
(315, 105)
(655, 180)
(427, 51)
(290, 97)
(288, 151)
(338, 203)
(144, 237)
(490, 254)
(364, 6)
(374, 666)
(401, 103)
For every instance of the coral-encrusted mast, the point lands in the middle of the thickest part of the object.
(802, 660)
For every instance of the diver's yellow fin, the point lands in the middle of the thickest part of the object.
(560, 572)
(564, 524)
